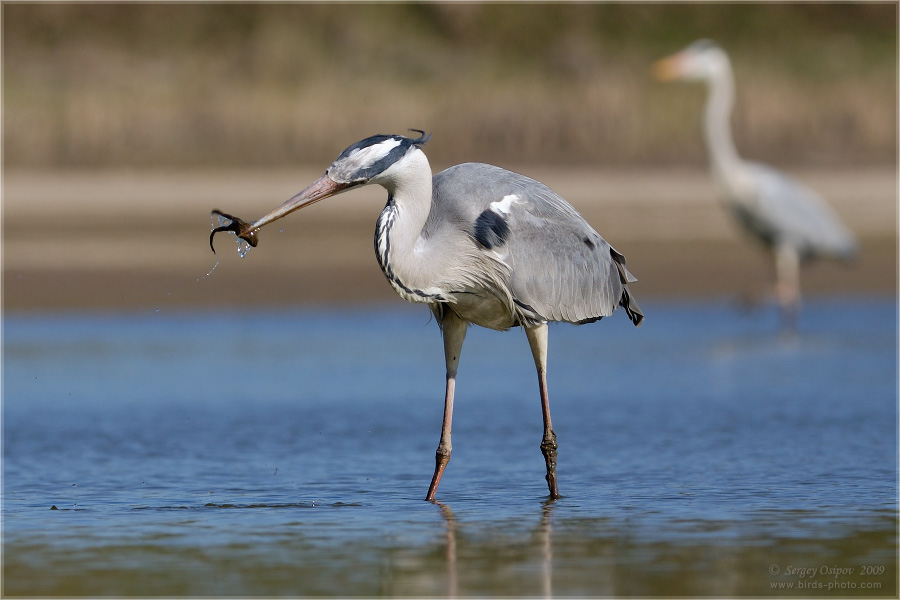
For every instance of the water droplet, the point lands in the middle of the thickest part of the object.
(209, 272)
(243, 248)
(217, 220)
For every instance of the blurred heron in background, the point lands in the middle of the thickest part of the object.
(479, 245)
(788, 217)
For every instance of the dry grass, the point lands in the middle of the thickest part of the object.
(277, 84)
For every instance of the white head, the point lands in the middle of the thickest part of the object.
(374, 160)
(380, 159)
(701, 61)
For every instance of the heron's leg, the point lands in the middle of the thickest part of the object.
(454, 331)
(787, 286)
(537, 337)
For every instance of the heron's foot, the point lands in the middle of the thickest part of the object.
(441, 458)
(548, 449)
(238, 226)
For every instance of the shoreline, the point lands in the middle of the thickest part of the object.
(122, 240)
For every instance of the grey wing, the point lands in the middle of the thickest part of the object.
(560, 269)
(798, 216)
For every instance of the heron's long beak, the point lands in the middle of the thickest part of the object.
(321, 188)
(668, 68)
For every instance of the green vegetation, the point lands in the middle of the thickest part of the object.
(143, 85)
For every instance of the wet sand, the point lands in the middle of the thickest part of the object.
(139, 240)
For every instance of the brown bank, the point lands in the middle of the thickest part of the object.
(117, 240)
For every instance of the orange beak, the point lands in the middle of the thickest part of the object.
(668, 68)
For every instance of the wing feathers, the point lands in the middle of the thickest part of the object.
(559, 268)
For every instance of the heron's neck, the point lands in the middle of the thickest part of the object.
(410, 193)
(717, 122)
(399, 246)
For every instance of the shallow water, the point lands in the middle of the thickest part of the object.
(288, 453)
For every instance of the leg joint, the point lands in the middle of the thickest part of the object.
(443, 453)
(549, 442)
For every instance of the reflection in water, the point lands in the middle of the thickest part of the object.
(733, 461)
(583, 557)
(543, 533)
(450, 523)
(598, 557)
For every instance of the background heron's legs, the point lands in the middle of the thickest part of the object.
(537, 338)
(454, 331)
(787, 285)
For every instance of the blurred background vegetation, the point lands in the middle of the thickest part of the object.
(162, 85)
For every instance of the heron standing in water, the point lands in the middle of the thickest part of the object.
(789, 218)
(479, 245)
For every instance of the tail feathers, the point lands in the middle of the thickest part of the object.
(624, 274)
(626, 301)
(631, 307)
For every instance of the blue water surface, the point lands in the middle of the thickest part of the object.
(246, 436)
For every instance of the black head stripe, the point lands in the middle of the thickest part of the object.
(385, 162)
(372, 141)
(405, 142)
(362, 172)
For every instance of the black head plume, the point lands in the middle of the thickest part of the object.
(422, 139)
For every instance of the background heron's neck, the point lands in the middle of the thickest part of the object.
(717, 122)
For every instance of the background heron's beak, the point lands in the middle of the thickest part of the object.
(321, 188)
(669, 68)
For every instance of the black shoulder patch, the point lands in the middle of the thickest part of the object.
(587, 242)
(491, 229)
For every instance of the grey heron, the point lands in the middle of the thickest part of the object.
(788, 217)
(479, 245)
